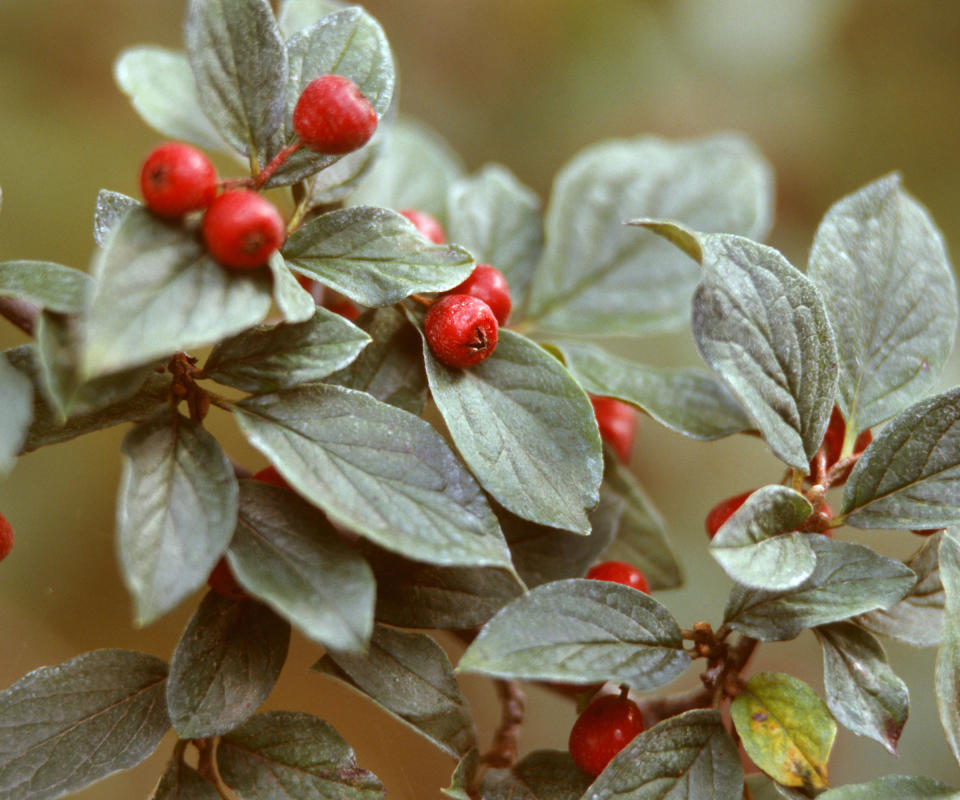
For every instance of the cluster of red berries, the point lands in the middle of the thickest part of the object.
(6, 537)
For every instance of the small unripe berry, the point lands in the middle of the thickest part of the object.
(222, 581)
(489, 285)
(604, 728)
(176, 179)
(618, 424)
(242, 228)
(6, 537)
(619, 572)
(332, 116)
(461, 330)
(428, 227)
(723, 510)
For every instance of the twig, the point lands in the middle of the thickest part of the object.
(207, 765)
(21, 313)
(503, 751)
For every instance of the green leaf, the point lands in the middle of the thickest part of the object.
(581, 631)
(295, 15)
(262, 761)
(225, 665)
(894, 787)
(948, 657)
(863, 692)
(415, 170)
(542, 775)
(16, 400)
(52, 286)
(526, 429)
(271, 357)
(182, 782)
(755, 546)
(391, 367)
(337, 181)
(786, 729)
(111, 206)
(176, 511)
(295, 303)
(918, 618)
(240, 88)
(160, 84)
(883, 270)
(463, 775)
(409, 676)
(765, 789)
(377, 470)
(288, 555)
(849, 579)
(597, 277)
(687, 400)
(908, 476)
(65, 727)
(687, 757)
(158, 292)
(498, 219)
(374, 256)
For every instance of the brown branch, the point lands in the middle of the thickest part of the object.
(207, 765)
(21, 313)
(503, 751)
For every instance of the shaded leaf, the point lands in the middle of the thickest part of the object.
(295, 303)
(337, 181)
(295, 15)
(52, 286)
(765, 789)
(16, 400)
(111, 206)
(463, 775)
(541, 775)
(894, 787)
(182, 782)
(948, 657)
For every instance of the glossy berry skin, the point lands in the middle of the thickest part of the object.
(6, 537)
(618, 424)
(489, 285)
(604, 728)
(242, 228)
(222, 581)
(332, 116)
(722, 511)
(271, 475)
(428, 227)
(176, 179)
(461, 330)
(619, 572)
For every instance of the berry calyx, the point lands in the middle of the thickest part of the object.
(428, 227)
(722, 511)
(332, 116)
(271, 475)
(6, 537)
(619, 572)
(604, 728)
(461, 330)
(222, 581)
(489, 285)
(618, 424)
(242, 228)
(176, 179)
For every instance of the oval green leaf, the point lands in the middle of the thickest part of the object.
(49, 285)
(541, 775)
(182, 782)
(948, 657)
(894, 787)
(296, 304)
(16, 400)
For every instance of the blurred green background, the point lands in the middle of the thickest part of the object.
(835, 92)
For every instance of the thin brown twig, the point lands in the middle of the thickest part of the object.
(207, 765)
(21, 313)
(503, 751)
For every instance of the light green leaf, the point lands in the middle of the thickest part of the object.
(182, 782)
(883, 270)
(541, 775)
(16, 400)
(111, 206)
(948, 657)
(894, 787)
(463, 776)
(581, 631)
(52, 286)
(295, 15)
(295, 303)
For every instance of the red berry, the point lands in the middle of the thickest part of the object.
(619, 572)
(343, 307)
(177, 178)
(723, 510)
(223, 582)
(832, 444)
(332, 116)
(604, 728)
(461, 330)
(489, 285)
(242, 228)
(6, 537)
(271, 475)
(618, 424)
(429, 228)
(927, 531)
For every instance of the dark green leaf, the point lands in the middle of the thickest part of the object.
(240, 88)
(908, 476)
(160, 84)
(271, 357)
(409, 676)
(182, 782)
(176, 511)
(849, 579)
(262, 761)
(599, 277)
(65, 727)
(883, 270)
(225, 666)
(948, 657)
(463, 775)
(158, 292)
(111, 206)
(295, 303)
(526, 429)
(335, 182)
(377, 470)
(498, 219)
(755, 546)
(287, 554)
(894, 787)
(687, 757)
(295, 15)
(581, 631)
(542, 775)
(863, 692)
(52, 286)
(16, 400)
(765, 789)
(374, 256)
(688, 400)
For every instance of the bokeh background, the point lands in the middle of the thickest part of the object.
(835, 92)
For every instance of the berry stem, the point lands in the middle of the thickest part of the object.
(426, 302)
(21, 313)
(276, 162)
(207, 765)
(503, 751)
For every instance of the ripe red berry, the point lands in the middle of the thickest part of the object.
(832, 444)
(242, 228)
(618, 424)
(461, 330)
(223, 582)
(177, 178)
(429, 228)
(723, 510)
(343, 307)
(604, 728)
(271, 475)
(619, 572)
(332, 116)
(489, 285)
(6, 537)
